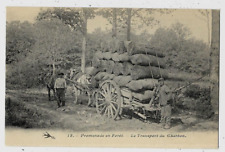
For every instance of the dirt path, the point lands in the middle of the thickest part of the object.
(33, 110)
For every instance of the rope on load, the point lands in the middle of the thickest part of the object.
(149, 64)
(152, 99)
(158, 63)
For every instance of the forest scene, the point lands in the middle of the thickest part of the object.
(59, 40)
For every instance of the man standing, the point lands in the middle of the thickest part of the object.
(60, 89)
(164, 98)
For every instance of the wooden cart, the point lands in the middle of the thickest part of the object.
(111, 100)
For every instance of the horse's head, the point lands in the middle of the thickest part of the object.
(84, 79)
(72, 73)
(88, 77)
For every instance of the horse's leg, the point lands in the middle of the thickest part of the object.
(89, 99)
(49, 93)
(79, 93)
(54, 94)
(93, 98)
(75, 94)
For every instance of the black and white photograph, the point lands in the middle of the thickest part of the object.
(118, 76)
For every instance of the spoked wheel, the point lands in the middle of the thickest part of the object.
(108, 99)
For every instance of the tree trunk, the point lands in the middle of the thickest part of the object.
(208, 27)
(214, 60)
(53, 68)
(114, 30)
(129, 10)
(209, 32)
(83, 61)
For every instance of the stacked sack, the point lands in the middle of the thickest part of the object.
(130, 67)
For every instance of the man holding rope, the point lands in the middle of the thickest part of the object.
(163, 94)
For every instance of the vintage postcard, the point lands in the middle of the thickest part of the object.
(112, 77)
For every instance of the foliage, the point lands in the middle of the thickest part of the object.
(193, 91)
(54, 43)
(108, 14)
(75, 18)
(53, 40)
(181, 31)
(19, 114)
(69, 16)
(116, 17)
(19, 40)
(182, 52)
(201, 100)
(134, 18)
(94, 42)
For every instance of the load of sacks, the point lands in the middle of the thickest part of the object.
(130, 67)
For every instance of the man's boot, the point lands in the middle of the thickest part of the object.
(59, 105)
(162, 121)
(167, 126)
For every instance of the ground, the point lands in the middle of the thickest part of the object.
(31, 109)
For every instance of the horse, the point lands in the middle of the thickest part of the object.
(85, 81)
(50, 86)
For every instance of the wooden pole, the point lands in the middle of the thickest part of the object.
(83, 61)
(129, 10)
(214, 60)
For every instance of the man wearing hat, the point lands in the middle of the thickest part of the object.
(164, 97)
(60, 89)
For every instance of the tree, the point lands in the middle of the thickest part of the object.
(214, 60)
(68, 16)
(129, 11)
(142, 17)
(206, 17)
(86, 13)
(115, 17)
(75, 19)
(125, 19)
(19, 40)
(53, 39)
(143, 38)
(120, 18)
(181, 50)
(54, 48)
(164, 39)
(182, 33)
(114, 31)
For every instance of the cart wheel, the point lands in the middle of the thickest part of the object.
(108, 99)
